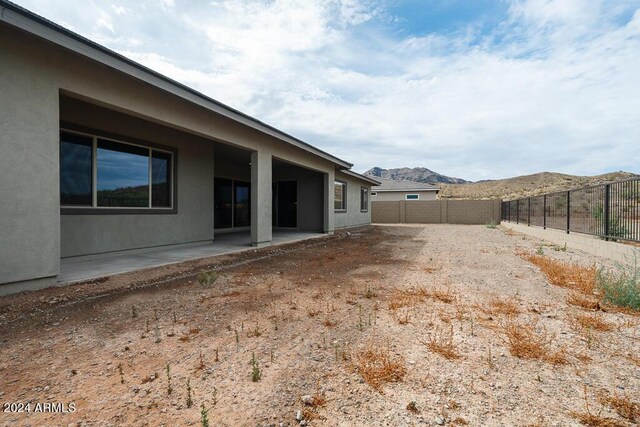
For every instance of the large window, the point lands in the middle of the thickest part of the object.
(340, 196)
(102, 173)
(364, 199)
(76, 170)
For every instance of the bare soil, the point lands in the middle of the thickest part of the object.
(438, 304)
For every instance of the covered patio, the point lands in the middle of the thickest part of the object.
(78, 269)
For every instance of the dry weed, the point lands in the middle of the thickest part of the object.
(525, 343)
(405, 298)
(501, 306)
(583, 301)
(595, 420)
(593, 322)
(623, 405)
(441, 342)
(377, 367)
(313, 313)
(443, 295)
(566, 275)
(329, 323)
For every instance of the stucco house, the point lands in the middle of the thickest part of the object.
(391, 190)
(101, 155)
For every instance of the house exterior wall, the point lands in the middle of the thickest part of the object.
(391, 196)
(436, 211)
(310, 193)
(353, 217)
(193, 222)
(33, 76)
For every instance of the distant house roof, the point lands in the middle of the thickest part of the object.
(367, 178)
(393, 185)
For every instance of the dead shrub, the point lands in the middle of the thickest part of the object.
(595, 420)
(404, 298)
(501, 306)
(594, 322)
(377, 367)
(313, 313)
(623, 405)
(583, 301)
(443, 295)
(329, 323)
(525, 343)
(566, 275)
(441, 342)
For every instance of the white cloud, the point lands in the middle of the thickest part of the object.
(554, 86)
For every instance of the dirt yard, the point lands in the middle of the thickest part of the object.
(394, 325)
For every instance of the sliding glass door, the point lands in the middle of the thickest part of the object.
(232, 203)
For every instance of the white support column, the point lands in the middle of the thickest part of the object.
(329, 208)
(261, 199)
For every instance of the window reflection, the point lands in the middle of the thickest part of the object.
(123, 175)
(76, 170)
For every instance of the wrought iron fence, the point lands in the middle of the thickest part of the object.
(610, 211)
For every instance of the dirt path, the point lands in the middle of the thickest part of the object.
(307, 316)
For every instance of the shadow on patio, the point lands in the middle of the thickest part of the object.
(84, 268)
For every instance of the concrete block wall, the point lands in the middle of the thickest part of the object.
(615, 251)
(436, 212)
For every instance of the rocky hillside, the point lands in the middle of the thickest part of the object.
(527, 185)
(414, 174)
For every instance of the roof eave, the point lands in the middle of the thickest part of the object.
(28, 21)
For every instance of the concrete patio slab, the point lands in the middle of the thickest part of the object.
(85, 268)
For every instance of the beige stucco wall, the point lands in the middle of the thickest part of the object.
(390, 196)
(353, 216)
(436, 212)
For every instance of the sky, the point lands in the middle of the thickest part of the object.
(476, 89)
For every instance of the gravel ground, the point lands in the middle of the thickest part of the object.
(305, 312)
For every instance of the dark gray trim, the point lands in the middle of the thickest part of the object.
(68, 210)
(15, 15)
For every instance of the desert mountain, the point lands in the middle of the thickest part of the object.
(526, 185)
(413, 174)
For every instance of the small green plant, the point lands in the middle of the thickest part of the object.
(540, 250)
(134, 313)
(369, 293)
(204, 416)
(201, 365)
(169, 388)
(492, 224)
(256, 373)
(157, 333)
(121, 373)
(189, 399)
(621, 286)
(207, 278)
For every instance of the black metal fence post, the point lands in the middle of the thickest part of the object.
(518, 211)
(607, 210)
(544, 211)
(568, 211)
(529, 212)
